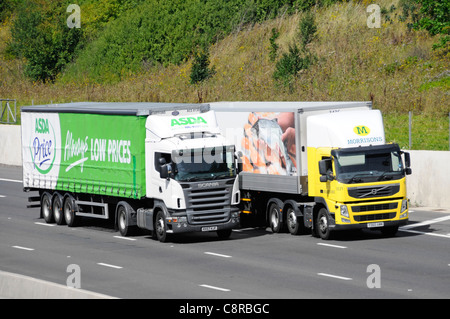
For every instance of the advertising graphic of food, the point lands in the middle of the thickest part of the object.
(269, 144)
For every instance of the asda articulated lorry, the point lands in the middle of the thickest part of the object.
(156, 166)
(323, 166)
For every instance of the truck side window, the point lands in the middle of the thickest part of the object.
(158, 156)
(329, 163)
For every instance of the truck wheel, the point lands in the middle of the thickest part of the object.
(275, 218)
(160, 227)
(293, 223)
(224, 233)
(322, 224)
(69, 211)
(46, 208)
(57, 209)
(122, 219)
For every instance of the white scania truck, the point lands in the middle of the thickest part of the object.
(157, 166)
(320, 165)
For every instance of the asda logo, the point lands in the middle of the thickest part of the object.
(187, 121)
(361, 130)
(43, 145)
(41, 126)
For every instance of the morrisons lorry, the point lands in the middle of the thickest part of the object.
(323, 166)
(157, 166)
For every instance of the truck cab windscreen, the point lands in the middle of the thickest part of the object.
(368, 164)
(204, 164)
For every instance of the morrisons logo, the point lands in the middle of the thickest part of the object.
(361, 130)
(188, 121)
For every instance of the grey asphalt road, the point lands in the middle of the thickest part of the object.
(252, 264)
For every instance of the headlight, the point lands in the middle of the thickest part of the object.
(404, 205)
(404, 210)
(344, 211)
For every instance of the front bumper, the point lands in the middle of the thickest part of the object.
(371, 225)
(180, 224)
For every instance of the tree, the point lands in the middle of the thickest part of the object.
(200, 72)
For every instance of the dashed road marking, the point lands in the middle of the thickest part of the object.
(426, 222)
(333, 276)
(109, 265)
(330, 245)
(215, 288)
(126, 238)
(10, 180)
(23, 248)
(218, 255)
(45, 224)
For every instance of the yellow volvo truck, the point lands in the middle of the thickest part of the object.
(324, 166)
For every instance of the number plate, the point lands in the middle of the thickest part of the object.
(379, 224)
(210, 228)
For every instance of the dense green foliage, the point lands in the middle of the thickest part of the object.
(297, 59)
(201, 71)
(122, 37)
(40, 35)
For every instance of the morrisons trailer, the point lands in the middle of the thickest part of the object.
(157, 166)
(319, 165)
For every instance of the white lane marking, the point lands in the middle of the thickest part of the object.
(45, 224)
(333, 276)
(218, 255)
(215, 288)
(427, 222)
(109, 265)
(126, 238)
(330, 245)
(243, 229)
(10, 180)
(2, 196)
(425, 233)
(23, 248)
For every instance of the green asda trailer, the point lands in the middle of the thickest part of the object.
(158, 166)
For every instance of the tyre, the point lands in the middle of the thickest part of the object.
(123, 212)
(58, 209)
(160, 227)
(69, 210)
(275, 218)
(46, 208)
(224, 233)
(293, 222)
(322, 224)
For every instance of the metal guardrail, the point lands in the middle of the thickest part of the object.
(6, 111)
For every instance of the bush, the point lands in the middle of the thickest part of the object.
(291, 63)
(41, 36)
(200, 68)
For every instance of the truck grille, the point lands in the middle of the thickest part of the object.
(364, 218)
(374, 191)
(208, 205)
(371, 208)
